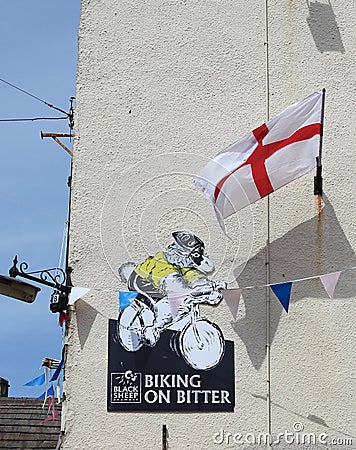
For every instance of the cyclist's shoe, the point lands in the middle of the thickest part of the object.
(163, 314)
(151, 336)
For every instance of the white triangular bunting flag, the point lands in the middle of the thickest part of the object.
(76, 293)
(175, 300)
(232, 299)
(329, 281)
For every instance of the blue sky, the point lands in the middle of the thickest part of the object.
(38, 54)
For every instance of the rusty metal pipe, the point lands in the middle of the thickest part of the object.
(43, 135)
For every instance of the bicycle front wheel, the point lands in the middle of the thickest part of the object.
(202, 344)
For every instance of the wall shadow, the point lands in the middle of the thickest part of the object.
(324, 28)
(315, 247)
(86, 316)
(310, 417)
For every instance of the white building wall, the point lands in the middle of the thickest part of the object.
(161, 87)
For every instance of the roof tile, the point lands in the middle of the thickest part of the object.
(20, 424)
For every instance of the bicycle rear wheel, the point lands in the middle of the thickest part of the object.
(131, 323)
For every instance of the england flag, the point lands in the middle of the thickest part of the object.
(272, 155)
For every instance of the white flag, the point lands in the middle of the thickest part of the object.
(232, 299)
(329, 281)
(283, 149)
(77, 293)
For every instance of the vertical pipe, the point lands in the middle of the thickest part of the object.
(71, 125)
(68, 271)
(67, 268)
(268, 324)
(268, 278)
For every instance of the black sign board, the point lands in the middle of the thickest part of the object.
(158, 379)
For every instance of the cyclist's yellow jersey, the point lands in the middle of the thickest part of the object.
(154, 268)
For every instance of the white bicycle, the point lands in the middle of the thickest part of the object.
(197, 340)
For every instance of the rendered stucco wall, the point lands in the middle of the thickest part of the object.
(161, 87)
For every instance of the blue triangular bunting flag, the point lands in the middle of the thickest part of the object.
(57, 372)
(282, 292)
(49, 392)
(36, 381)
(125, 299)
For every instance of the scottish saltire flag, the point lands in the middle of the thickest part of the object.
(272, 155)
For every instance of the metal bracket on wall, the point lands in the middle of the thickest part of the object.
(58, 280)
(55, 137)
(164, 437)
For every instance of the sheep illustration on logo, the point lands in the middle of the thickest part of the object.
(177, 275)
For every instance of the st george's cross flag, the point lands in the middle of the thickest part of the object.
(272, 155)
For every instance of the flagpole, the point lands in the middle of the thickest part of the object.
(268, 278)
(318, 179)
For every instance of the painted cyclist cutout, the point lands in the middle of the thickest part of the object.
(177, 274)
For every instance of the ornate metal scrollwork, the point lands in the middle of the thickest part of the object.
(59, 277)
(54, 277)
(23, 265)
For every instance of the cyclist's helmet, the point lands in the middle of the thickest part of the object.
(191, 243)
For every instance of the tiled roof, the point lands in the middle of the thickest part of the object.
(20, 424)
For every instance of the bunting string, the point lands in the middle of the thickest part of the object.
(297, 280)
(113, 289)
(282, 290)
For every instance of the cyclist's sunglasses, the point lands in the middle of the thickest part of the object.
(197, 255)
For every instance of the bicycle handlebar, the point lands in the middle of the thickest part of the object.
(217, 286)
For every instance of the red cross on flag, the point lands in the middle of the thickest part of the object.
(272, 155)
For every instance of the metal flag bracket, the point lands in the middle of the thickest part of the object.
(55, 137)
(318, 179)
